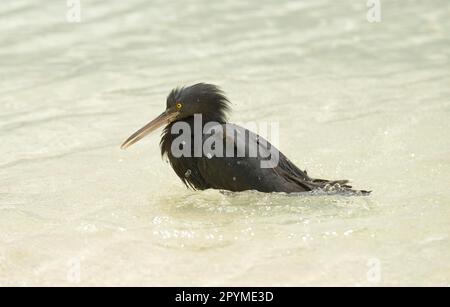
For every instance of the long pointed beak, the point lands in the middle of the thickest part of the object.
(165, 118)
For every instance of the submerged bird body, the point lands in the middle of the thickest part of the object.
(228, 165)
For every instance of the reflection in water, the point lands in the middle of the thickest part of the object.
(229, 218)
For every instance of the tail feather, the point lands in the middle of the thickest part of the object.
(292, 173)
(335, 186)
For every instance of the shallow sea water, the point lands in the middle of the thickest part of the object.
(355, 100)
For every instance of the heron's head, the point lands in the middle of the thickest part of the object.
(182, 103)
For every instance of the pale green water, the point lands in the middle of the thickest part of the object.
(357, 100)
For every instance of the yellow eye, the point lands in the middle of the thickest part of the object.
(179, 106)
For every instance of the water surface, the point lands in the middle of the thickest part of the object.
(355, 100)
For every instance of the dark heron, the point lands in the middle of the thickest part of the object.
(227, 164)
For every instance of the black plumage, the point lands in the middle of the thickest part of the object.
(239, 172)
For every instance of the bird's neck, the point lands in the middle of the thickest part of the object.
(196, 125)
(217, 117)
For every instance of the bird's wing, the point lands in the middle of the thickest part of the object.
(252, 163)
